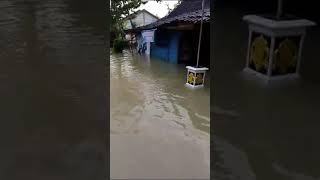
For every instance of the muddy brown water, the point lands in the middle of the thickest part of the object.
(159, 128)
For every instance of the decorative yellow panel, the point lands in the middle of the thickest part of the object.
(191, 78)
(199, 78)
(286, 56)
(259, 54)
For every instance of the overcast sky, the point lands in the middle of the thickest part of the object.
(158, 8)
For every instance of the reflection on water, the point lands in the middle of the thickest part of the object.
(157, 123)
(52, 90)
(271, 131)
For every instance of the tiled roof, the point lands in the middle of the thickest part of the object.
(188, 6)
(188, 11)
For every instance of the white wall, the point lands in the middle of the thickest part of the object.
(141, 19)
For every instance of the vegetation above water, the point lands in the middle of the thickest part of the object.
(119, 10)
(118, 45)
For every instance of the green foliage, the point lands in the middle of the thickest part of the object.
(119, 9)
(118, 45)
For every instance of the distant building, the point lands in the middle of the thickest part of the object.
(177, 34)
(139, 18)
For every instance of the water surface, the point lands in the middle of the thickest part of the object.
(262, 131)
(159, 127)
(52, 87)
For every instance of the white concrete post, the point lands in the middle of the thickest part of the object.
(300, 52)
(249, 46)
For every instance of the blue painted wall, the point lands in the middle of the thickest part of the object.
(169, 52)
(174, 48)
(159, 52)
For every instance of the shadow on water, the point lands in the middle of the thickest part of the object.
(271, 130)
(53, 91)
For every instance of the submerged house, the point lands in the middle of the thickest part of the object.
(138, 19)
(176, 35)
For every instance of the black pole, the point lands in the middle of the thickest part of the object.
(200, 34)
(279, 10)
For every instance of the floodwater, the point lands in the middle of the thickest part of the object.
(262, 131)
(52, 87)
(159, 128)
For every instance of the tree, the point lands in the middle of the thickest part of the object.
(119, 10)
